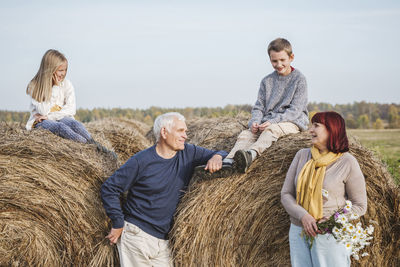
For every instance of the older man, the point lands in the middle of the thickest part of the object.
(155, 179)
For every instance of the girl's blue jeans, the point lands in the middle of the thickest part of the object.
(67, 128)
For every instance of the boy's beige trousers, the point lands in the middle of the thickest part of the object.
(138, 248)
(261, 141)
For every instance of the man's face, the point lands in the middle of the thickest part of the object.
(175, 139)
(281, 61)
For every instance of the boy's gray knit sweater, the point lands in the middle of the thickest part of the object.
(282, 99)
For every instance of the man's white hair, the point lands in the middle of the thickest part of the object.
(165, 120)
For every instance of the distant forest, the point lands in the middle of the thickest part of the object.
(359, 115)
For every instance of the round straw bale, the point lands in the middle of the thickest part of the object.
(239, 220)
(50, 208)
(126, 137)
(215, 133)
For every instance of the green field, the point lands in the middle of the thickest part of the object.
(386, 144)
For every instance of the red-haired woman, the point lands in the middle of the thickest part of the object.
(318, 182)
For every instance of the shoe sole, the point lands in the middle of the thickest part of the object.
(241, 161)
(202, 174)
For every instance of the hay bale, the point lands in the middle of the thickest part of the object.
(216, 133)
(239, 221)
(50, 208)
(126, 137)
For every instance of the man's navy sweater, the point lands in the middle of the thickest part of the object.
(154, 186)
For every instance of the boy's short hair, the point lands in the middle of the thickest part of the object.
(280, 44)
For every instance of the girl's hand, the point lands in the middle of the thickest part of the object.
(264, 125)
(309, 225)
(39, 118)
(55, 79)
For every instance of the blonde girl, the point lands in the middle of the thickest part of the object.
(53, 100)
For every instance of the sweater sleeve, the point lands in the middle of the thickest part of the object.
(69, 107)
(257, 113)
(296, 106)
(288, 193)
(355, 188)
(43, 108)
(114, 186)
(202, 155)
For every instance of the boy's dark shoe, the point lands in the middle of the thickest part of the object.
(201, 173)
(242, 160)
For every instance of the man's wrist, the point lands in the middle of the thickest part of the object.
(218, 155)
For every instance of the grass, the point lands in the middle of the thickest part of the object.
(386, 144)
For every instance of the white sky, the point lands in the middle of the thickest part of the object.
(137, 54)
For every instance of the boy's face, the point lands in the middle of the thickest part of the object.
(281, 62)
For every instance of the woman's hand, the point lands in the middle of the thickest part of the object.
(39, 118)
(309, 225)
(323, 219)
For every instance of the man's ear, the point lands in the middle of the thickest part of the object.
(163, 133)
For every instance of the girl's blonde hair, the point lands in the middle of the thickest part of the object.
(40, 86)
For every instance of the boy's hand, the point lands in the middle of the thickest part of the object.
(254, 127)
(214, 164)
(264, 125)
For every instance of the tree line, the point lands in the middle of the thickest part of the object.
(358, 115)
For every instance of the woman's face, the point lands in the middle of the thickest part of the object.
(320, 136)
(60, 73)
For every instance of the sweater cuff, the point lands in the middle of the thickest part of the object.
(118, 223)
(258, 120)
(300, 214)
(223, 154)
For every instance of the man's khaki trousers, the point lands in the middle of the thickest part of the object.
(137, 248)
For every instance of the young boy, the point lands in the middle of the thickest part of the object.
(280, 109)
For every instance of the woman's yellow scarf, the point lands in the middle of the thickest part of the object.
(310, 181)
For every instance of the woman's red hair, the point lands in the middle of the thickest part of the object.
(334, 123)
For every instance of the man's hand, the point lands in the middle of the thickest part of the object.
(309, 225)
(214, 164)
(264, 125)
(39, 118)
(254, 127)
(114, 234)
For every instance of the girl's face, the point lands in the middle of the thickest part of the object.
(59, 74)
(320, 136)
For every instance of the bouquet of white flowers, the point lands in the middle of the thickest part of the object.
(354, 237)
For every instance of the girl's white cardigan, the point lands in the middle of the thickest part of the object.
(62, 95)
